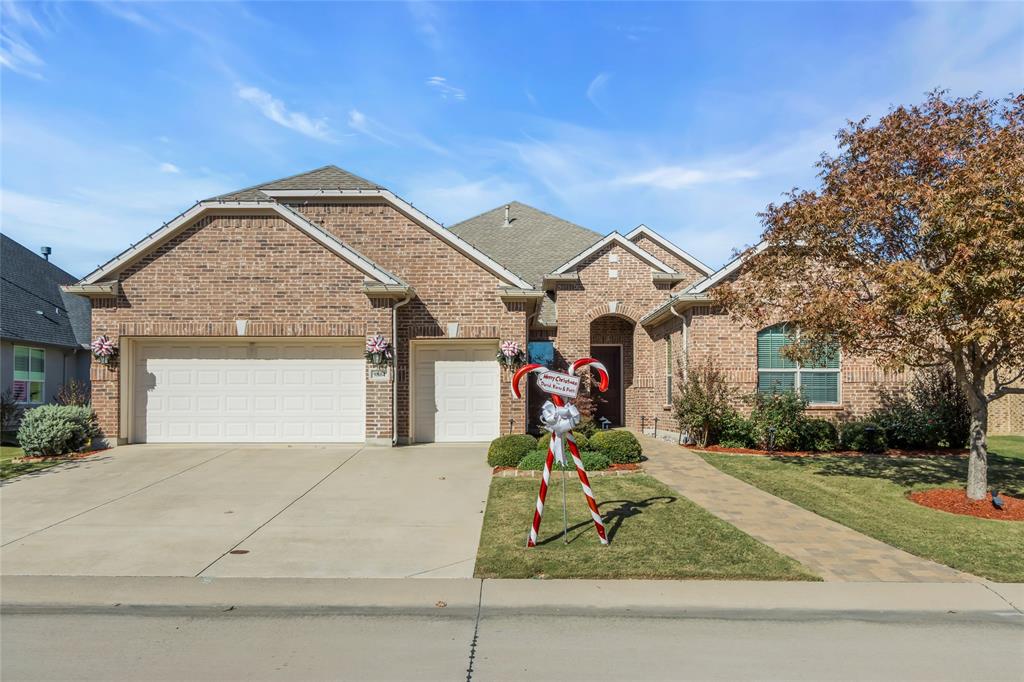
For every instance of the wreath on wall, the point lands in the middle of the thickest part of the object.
(511, 356)
(103, 349)
(378, 351)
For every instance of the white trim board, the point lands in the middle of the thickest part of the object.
(668, 246)
(727, 270)
(415, 214)
(364, 265)
(616, 238)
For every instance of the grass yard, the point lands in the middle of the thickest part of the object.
(868, 494)
(654, 533)
(8, 469)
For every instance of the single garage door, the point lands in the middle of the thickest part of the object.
(244, 391)
(456, 392)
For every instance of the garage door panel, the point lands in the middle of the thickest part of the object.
(456, 392)
(217, 391)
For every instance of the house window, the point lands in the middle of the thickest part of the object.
(29, 374)
(818, 382)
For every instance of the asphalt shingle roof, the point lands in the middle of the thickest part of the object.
(29, 283)
(533, 243)
(327, 177)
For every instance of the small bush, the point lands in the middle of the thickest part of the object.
(587, 428)
(10, 411)
(506, 451)
(936, 392)
(775, 420)
(57, 429)
(819, 435)
(703, 402)
(582, 442)
(905, 424)
(621, 447)
(736, 431)
(74, 392)
(863, 436)
(592, 461)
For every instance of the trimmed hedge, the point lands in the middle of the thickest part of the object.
(582, 442)
(51, 430)
(819, 435)
(621, 447)
(506, 451)
(863, 436)
(592, 461)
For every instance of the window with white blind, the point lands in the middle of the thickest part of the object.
(29, 374)
(817, 382)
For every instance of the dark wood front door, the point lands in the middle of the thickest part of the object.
(609, 403)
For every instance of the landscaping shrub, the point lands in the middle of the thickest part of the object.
(582, 442)
(905, 424)
(57, 429)
(819, 435)
(775, 420)
(587, 427)
(592, 461)
(74, 392)
(10, 411)
(506, 451)
(736, 431)
(621, 447)
(936, 392)
(863, 436)
(703, 403)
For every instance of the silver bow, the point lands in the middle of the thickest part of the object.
(559, 421)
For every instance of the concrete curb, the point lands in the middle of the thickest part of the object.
(460, 596)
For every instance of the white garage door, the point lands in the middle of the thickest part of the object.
(456, 392)
(202, 391)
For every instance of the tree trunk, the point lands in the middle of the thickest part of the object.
(977, 465)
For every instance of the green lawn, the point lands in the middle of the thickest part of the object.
(654, 533)
(868, 494)
(9, 469)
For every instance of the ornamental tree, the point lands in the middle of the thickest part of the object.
(910, 251)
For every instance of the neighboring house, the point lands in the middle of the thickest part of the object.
(245, 319)
(44, 331)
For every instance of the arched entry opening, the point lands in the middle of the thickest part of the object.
(611, 343)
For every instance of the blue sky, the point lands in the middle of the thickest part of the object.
(689, 118)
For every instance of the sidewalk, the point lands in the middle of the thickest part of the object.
(830, 549)
(464, 596)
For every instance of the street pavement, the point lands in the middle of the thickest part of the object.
(436, 629)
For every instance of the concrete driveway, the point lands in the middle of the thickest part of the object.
(249, 511)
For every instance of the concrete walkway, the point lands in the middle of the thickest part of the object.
(831, 550)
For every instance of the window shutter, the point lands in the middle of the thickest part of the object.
(820, 387)
(770, 342)
(775, 382)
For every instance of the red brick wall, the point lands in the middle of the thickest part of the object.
(652, 247)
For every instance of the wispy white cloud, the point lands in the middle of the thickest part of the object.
(447, 91)
(128, 12)
(678, 177)
(16, 53)
(426, 17)
(276, 111)
(450, 196)
(596, 89)
(372, 128)
(166, 167)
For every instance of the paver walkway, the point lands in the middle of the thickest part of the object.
(831, 550)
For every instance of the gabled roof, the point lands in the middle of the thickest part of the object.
(34, 307)
(729, 268)
(531, 244)
(361, 263)
(668, 246)
(613, 238)
(325, 177)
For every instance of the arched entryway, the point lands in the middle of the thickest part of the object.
(611, 342)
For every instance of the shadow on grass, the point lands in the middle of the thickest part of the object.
(1004, 473)
(613, 518)
(23, 471)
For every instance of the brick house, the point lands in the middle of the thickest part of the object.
(246, 317)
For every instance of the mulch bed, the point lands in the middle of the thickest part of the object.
(955, 501)
(32, 459)
(892, 452)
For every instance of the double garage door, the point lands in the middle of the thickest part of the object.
(236, 391)
(274, 391)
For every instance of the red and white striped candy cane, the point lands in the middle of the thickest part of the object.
(538, 511)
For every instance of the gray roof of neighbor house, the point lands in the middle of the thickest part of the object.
(533, 243)
(32, 306)
(327, 177)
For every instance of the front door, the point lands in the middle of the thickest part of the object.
(609, 403)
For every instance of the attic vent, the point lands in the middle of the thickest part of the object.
(508, 222)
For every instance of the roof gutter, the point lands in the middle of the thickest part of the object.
(668, 309)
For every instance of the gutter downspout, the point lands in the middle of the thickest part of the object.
(686, 338)
(394, 378)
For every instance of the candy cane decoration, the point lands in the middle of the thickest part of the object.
(563, 416)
